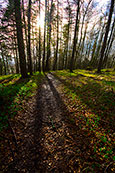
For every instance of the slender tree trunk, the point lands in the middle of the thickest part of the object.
(29, 39)
(1, 67)
(7, 65)
(75, 37)
(93, 52)
(89, 50)
(44, 46)
(57, 43)
(109, 43)
(37, 49)
(68, 36)
(17, 61)
(66, 59)
(20, 39)
(66, 56)
(83, 20)
(39, 60)
(82, 47)
(33, 46)
(61, 45)
(106, 35)
(49, 37)
(100, 41)
(107, 54)
(25, 28)
(16, 53)
(4, 63)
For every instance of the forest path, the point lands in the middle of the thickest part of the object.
(54, 143)
(53, 148)
(51, 143)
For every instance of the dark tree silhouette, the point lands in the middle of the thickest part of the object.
(105, 37)
(20, 38)
(75, 36)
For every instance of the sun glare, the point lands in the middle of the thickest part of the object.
(40, 21)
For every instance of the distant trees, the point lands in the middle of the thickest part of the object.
(105, 37)
(74, 35)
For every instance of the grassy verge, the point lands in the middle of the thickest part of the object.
(90, 98)
(13, 91)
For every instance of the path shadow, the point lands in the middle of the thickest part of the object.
(26, 132)
(99, 100)
(7, 96)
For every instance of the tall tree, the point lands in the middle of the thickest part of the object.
(25, 27)
(69, 13)
(75, 36)
(29, 39)
(105, 37)
(83, 20)
(49, 35)
(20, 38)
(44, 44)
(57, 42)
(109, 43)
(39, 60)
(3, 57)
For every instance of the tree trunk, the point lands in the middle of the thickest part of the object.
(15, 52)
(82, 47)
(1, 67)
(106, 35)
(68, 35)
(25, 29)
(57, 45)
(93, 56)
(109, 43)
(44, 46)
(49, 37)
(100, 41)
(83, 20)
(75, 37)
(39, 60)
(17, 63)
(20, 39)
(7, 65)
(29, 40)
(4, 63)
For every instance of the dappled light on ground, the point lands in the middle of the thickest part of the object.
(65, 124)
(91, 104)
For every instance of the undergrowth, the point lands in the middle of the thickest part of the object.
(90, 98)
(13, 90)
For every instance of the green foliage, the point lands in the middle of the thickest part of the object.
(91, 98)
(13, 90)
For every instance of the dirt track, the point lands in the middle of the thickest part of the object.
(48, 141)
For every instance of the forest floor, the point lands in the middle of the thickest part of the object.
(67, 126)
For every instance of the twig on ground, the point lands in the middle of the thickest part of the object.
(108, 167)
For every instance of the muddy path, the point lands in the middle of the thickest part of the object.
(49, 141)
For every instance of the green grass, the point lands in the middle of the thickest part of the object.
(13, 90)
(92, 103)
